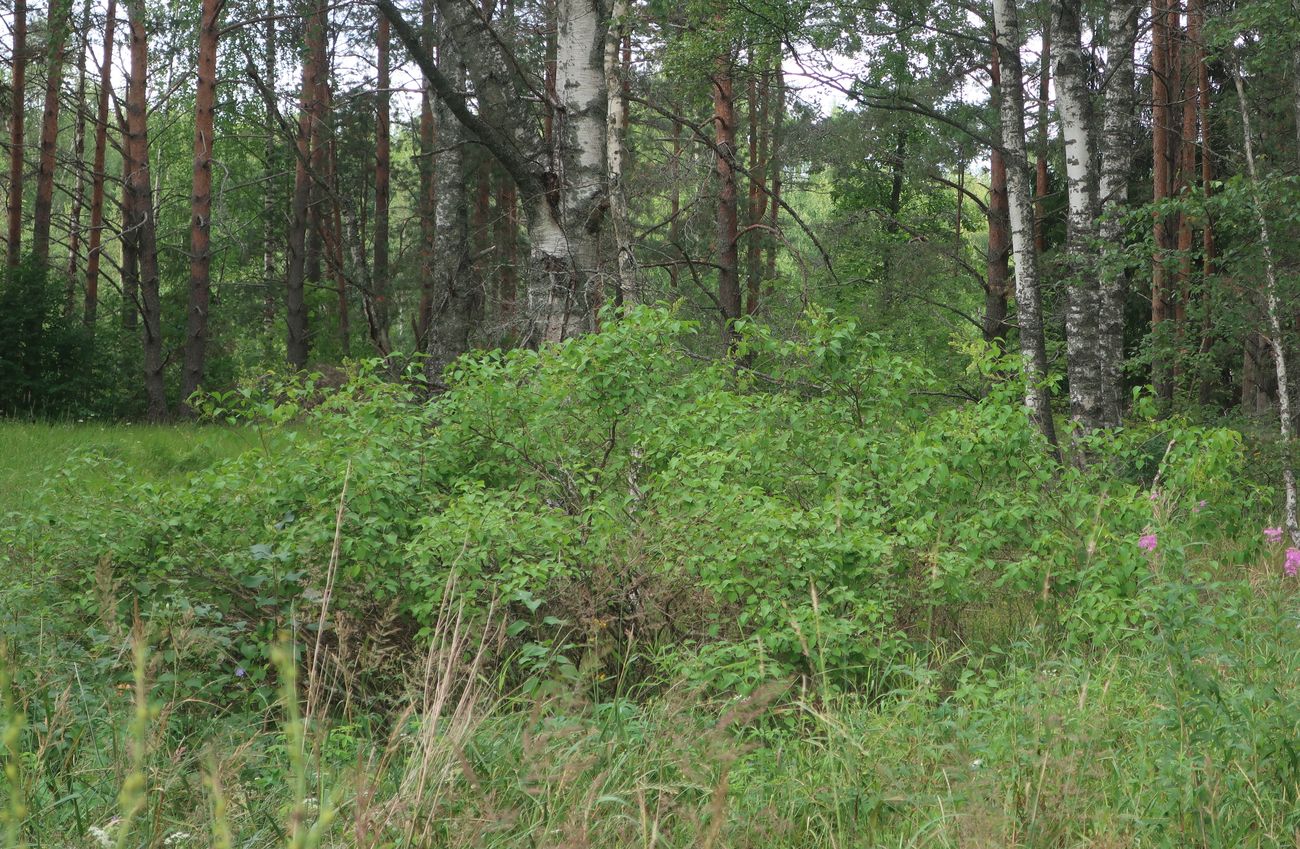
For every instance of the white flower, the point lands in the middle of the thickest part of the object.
(176, 838)
(977, 763)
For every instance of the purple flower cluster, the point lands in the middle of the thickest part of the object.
(1148, 542)
(1292, 564)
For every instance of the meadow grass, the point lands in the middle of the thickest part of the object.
(1182, 733)
(31, 452)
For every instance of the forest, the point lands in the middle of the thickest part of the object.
(612, 423)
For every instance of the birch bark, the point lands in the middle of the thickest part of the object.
(1274, 316)
(1020, 201)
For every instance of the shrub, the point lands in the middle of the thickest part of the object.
(810, 516)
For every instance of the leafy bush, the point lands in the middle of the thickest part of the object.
(810, 516)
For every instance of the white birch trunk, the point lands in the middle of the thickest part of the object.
(1274, 318)
(1029, 308)
(1081, 320)
(615, 136)
(564, 225)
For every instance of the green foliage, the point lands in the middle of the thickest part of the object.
(810, 516)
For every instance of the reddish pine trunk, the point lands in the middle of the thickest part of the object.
(42, 211)
(196, 322)
(378, 298)
(16, 136)
(724, 129)
(96, 235)
(1162, 71)
(1187, 173)
(141, 220)
(295, 288)
(78, 158)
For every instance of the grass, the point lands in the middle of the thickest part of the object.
(119, 732)
(31, 453)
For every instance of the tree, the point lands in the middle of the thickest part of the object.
(1093, 309)
(1029, 310)
(58, 24)
(95, 238)
(16, 137)
(728, 255)
(200, 294)
(449, 326)
(140, 224)
(561, 178)
(377, 299)
(295, 301)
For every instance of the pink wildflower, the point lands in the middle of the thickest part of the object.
(1200, 505)
(1273, 535)
(1147, 542)
(1292, 565)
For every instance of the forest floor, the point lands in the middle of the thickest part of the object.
(1184, 733)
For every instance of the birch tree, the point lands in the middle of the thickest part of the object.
(562, 179)
(1094, 309)
(1029, 309)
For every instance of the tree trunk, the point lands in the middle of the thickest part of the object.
(1274, 317)
(142, 213)
(131, 307)
(270, 206)
(1020, 201)
(295, 289)
(1112, 191)
(998, 267)
(1042, 185)
(1196, 22)
(57, 26)
(615, 144)
(675, 209)
(377, 299)
(427, 201)
(450, 324)
(1161, 123)
(564, 230)
(200, 296)
(1083, 345)
(561, 173)
(724, 134)
(17, 139)
(774, 171)
(484, 262)
(94, 246)
(507, 238)
(759, 94)
(331, 219)
(78, 158)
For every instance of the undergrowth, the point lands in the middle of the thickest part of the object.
(607, 594)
